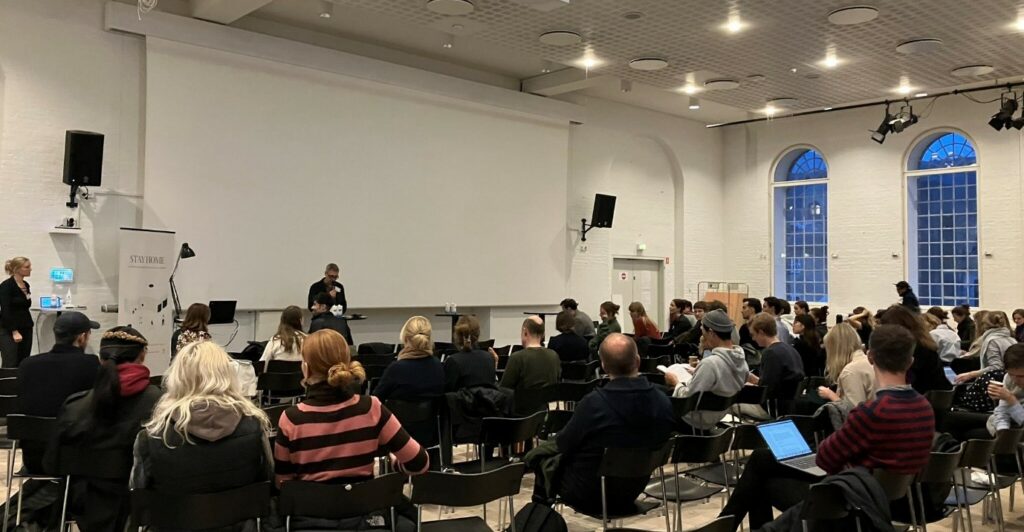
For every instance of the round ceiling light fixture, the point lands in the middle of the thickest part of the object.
(756, 78)
(454, 8)
(971, 71)
(919, 46)
(847, 16)
(633, 15)
(561, 38)
(648, 64)
(783, 103)
(721, 84)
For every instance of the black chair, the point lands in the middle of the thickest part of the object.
(440, 347)
(40, 431)
(372, 359)
(421, 419)
(942, 403)
(502, 362)
(555, 421)
(283, 366)
(465, 490)
(503, 351)
(516, 347)
(938, 473)
(157, 380)
(656, 378)
(745, 437)
(341, 501)
(8, 402)
(163, 510)
(897, 486)
(1007, 442)
(630, 463)
(274, 414)
(280, 385)
(578, 371)
(375, 348)
(77, 461)
(568, 393)
(374, 371)
(750, 395)
(650, 364)
(976, 454)
(699, 450)
(485, 344)
(504, 433)
(660, 350)
(826, 502)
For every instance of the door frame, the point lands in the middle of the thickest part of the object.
(660, 295)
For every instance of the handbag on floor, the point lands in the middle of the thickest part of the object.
(539, 518)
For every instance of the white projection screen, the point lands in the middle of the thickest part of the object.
(270, 171)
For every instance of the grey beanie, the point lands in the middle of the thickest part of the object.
(718, 320)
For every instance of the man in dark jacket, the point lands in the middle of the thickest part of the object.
(328, 285)
(324, 319)
(628, 412)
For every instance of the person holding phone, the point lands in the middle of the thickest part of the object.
(328, 285)
(15, 320)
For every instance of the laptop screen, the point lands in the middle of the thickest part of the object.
(784, 439)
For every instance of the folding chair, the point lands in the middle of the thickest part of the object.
(162, 510)
(76, 461)
(375, 348)
(699, 450)
(21, 428)
(474, 489)
(939, 470)
(341, 501)
(421, 419)
(1006, 444)
(976, 454)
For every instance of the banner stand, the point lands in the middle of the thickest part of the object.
(144, 293)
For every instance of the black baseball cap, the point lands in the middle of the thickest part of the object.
(902, 284)
(73, 323)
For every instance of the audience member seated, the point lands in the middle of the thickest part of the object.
(204, 436)
(584, 326)
(781, 370)
(1008, 412)
(808, 344)
(994, 338)
(194, 328)
(945, 337)
(926, 374)
(532, 367)
(323, 318)
(801, 308)
(847, 367)
(723, 372)
(820, 315)
(1018, 322)
(607, 326)
(471, 366)
(333, 435)
(570, 346)
(686, 307)
(628, 412)
(964, 325)
(692, 336)
(46, 380)
(863, 322)
(678, 323)
(893, 432)
(777, 308)
(106, 419)
(751, 307)
(417, 374)
(643, 327)
(286, 345)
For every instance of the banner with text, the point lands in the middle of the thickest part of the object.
(144, 292)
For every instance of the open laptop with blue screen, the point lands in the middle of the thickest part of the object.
(789, 447)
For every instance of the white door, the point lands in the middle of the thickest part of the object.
(637, 280)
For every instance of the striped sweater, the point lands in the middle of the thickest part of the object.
(333, 435)
(894, 432)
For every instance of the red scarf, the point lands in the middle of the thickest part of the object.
(134, 378)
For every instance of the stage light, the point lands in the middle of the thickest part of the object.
(904, 119)
(1004, 118)
(878, 135)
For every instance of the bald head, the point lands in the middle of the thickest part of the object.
(619, 356)
(533, 329)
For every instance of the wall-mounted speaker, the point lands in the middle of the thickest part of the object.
(83, 158)
(604, 211)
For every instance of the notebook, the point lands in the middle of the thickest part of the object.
(789, 447)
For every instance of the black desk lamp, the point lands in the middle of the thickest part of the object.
(185, 253)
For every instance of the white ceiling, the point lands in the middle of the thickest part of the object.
(501, 37)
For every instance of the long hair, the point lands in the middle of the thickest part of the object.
(15, 264)
(197, 317)
(120, 345)
(841, 343)
(328, 359)
(810, 335)
(911, 321)
(467, 333)
(200, 375)
(993, 319)
(289, 331)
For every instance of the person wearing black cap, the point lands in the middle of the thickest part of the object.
(103, 422)
(47, 379)
(907, 297)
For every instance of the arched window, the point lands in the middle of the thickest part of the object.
(800, 242)
(942, 198)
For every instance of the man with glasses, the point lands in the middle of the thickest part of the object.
(328, 285)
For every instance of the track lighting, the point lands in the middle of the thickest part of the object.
(904, 119)
(1004, 118)
(878, 135)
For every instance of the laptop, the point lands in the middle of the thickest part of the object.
(222, 312)
(789, 447)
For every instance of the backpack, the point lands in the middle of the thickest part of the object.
(538, 518)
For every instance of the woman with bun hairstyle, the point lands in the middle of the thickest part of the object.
(820, 315)
(333, 435)
(15, 320)
(607, 326)
(104, 421)
(417, 374)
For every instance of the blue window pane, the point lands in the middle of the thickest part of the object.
(945, 212)
(809, 165)
(948, 151)
(806, 234)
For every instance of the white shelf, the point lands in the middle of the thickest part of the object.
(66, 231)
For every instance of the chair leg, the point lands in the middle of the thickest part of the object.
(11, 455)
(997, 497)
(964, 475)
(64, 503)
(661, 470)
(419, 518)
(511, 514)
(604, 508)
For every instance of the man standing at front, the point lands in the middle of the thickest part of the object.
(328, 285)
(907, 297)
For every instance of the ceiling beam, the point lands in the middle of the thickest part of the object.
(561, 82)
(225, 11)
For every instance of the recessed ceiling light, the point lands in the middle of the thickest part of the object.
(769, 110)
(694, 103)
(904, 88)
(721, 84)
(561, 38)
(792, 70)
(589, 61)
(853, 15)
(919, 46)
(968, 71)
(831, 60)
(633, 15)
(648, 63)
(451, 7)
(689, 88)
(755, 78)
(734, 24)
(784, 102)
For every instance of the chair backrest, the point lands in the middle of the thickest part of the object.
(506, 431)
(274, 414)
(284, 366)
(419, 418)
(529, 400)
(701, 449)
(722, 524)
(941, 466)
(712, 402)
(340, 501)
(503, 351)
(443, 346)
(375, 348)
(658, 350)
(1007, 441)
(576, 371)
(9, 386)
(650, 364)
(502, 361)
(568, 391)
(747, 438)
(8, 372)
(447, 489)
(657, 378)
(825, 501)
(78, 461)
(633, 463)
(373, 359)
(200, 511)
(516, 347)
(895, 485)
(683, 405)
(976, 453)
(280, 382)
(556, 420)
(810, 384)
(31, 428)
(374, 371)
(485, 344)
(941, 400)
(751, 395)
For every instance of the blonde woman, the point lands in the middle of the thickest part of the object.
(848, 367)
(15, 319)
(417, 374)
(204, 435)
(287, 343)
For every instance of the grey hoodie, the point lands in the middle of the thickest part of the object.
(723, 373)
(212, 422)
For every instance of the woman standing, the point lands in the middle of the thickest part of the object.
(643, 327)
(193, 328)
(286, 345)
(15, 320)
(607, 326)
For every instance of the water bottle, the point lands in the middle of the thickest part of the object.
(67, 299)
